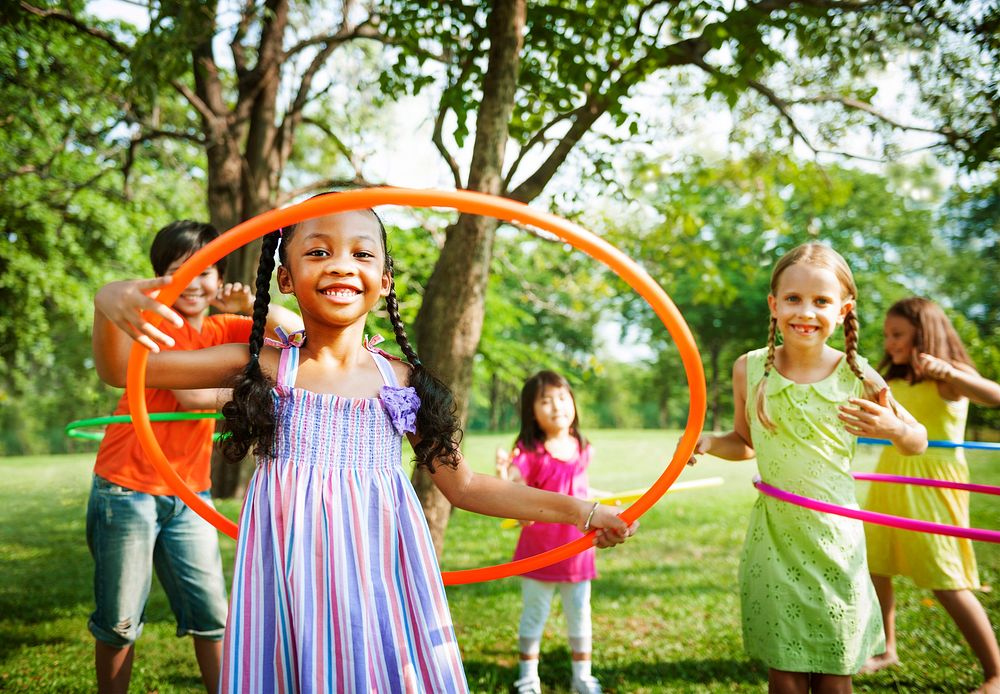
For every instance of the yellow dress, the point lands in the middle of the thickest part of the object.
(936, 562)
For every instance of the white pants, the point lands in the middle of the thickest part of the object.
(537, 597)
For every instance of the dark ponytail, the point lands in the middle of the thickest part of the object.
(249, 416)
(437, 423)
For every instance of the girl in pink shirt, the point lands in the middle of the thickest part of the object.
(552, 454)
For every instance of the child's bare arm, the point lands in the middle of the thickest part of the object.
(961, 380)
(235, 297)
(492, 496)
(735, 444)
(202, 398)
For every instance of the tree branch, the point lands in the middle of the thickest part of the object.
(344, 149)
(858, 105)
(536, 139)
(236, 46)
(584, 118)
(782, 107)
(196, 102)
(77, 23)
(346, 33)
(437, 137)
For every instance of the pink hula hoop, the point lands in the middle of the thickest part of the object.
(978, 534)
(924, 482)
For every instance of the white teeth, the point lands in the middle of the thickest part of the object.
(340, 292)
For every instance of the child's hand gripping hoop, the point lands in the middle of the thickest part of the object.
(471, 203)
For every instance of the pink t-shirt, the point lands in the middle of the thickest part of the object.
(540, 469)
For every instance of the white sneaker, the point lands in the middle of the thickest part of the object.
(530, 685)
(586, 685)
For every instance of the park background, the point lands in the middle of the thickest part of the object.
(702, 138)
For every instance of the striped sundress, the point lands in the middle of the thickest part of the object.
(336, 586)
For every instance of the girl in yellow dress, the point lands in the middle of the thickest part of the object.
(931, 375)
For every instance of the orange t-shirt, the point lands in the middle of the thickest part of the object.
(187, 445)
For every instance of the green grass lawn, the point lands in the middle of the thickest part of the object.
(666, 612)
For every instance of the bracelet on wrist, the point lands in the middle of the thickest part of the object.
(590, 516)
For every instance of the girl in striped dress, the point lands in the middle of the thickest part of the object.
(336, 586)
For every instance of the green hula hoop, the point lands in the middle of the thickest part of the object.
(75, 429)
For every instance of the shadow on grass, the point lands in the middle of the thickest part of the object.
(46, 569)
(689, 671)
(46, 566)
(554, 672)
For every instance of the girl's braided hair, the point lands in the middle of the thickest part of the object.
(249, 416)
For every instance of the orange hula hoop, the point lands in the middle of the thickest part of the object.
(462, 201)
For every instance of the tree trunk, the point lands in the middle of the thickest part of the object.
(240, 177)
(450, 321)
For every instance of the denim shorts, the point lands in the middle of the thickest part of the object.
(129, 533)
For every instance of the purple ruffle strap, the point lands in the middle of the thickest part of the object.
(402, 405)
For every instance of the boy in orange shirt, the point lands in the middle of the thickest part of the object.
(134, 522)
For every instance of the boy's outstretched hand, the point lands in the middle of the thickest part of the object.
(234, 297)
(123, 302)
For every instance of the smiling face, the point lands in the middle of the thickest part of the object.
(335, 266)
(808, 303)
(196, 297)
(554, 410)
(900, 338)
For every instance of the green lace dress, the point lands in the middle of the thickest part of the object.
(807, 600)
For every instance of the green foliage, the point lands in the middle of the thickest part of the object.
(543, 303)
(970, 227)
(711, 234)
(759, 59)
(67, 225)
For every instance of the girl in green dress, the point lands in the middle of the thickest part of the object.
(808, 606)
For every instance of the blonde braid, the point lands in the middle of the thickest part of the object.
(760, 401)
(851, 343)
(869, 388)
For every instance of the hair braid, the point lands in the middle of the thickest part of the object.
(760, 399)
(851, 343)
(437, 422)
(869, 388)
(249, 415)
(392, 308)
(262, 294)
